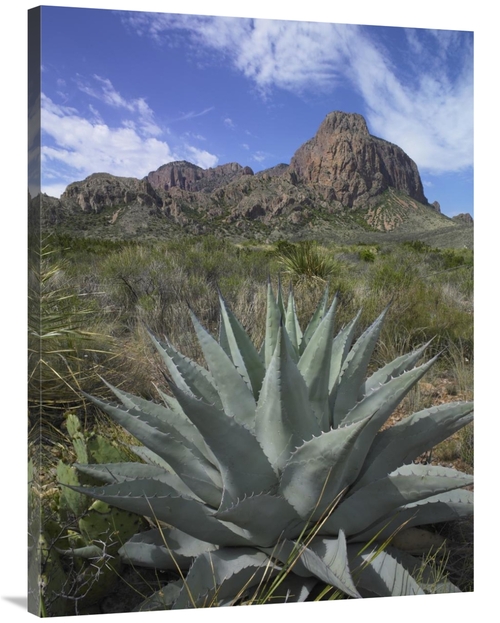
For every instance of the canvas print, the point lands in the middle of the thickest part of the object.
(251, 311)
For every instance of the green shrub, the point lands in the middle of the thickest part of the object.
(417, 245)
(367, 255)
(305, 260)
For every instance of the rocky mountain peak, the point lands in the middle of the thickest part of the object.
(464, 218)
(337, 122)
(352, 166)
(187, 176)
(342, 169)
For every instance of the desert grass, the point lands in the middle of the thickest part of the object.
(100, 298)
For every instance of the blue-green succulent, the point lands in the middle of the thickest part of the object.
(274, 463)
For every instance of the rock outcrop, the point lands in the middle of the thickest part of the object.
(343, 178)
(101, 190)
(187, 176)
(353, 167)
(464, 218)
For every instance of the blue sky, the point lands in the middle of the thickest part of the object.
(125, 92)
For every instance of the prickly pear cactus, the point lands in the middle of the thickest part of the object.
(80, 564)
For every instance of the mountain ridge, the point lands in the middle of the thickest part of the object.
(342, 182)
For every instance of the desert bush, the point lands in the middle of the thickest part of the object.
(132, 286)
(367, 255)
(147, 283)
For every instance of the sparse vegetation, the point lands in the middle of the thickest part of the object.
(109, 292)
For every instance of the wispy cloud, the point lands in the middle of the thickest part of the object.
(193, 115)
(426, 108)
(260, 156)
(103, 90)
(196, 137)
(201, 157)
(229, 123)
(91, 145)
(87, 145)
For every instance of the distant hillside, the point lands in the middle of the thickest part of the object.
(342, 185)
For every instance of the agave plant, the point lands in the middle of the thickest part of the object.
(272, 463)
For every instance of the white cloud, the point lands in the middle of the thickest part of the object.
(197, 137)
(81, 146)
(229, 123)
(192, 114)
(426, 109)
(106, 93)
(431, 119)
(259, 156)
(201, 157)
(55, 190)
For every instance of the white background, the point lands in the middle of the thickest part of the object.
(425, 14)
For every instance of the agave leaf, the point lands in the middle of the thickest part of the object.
(223, 338)
(244, 467)
(241, 349)
(292, 324)
(321, 468)
(323, 558)
(264, 518)
(382, 573)
(195, 471)
(448, 506)
(236, 397)
(171, 402)
(386, 398)
(119, 472)
(223, 574)
(314, 365)
(156, 499)
(410, 437)
(292, 589)
(379, 500)
(168, 549)
(174, 423)
(191, 432)
(283, 419)
(279, 299)
(354, 369)
(150, 457)
(340, 349)
(273, 321)
(187, 374)
(394, 368)
(315, 320)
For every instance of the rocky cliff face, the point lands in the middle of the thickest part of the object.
(352, 166)
(464, 218)
(341, 170)
(187, 176)
(101, 190)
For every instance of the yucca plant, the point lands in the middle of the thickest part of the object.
(61, 351)
(277, 455)
(305, 260)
